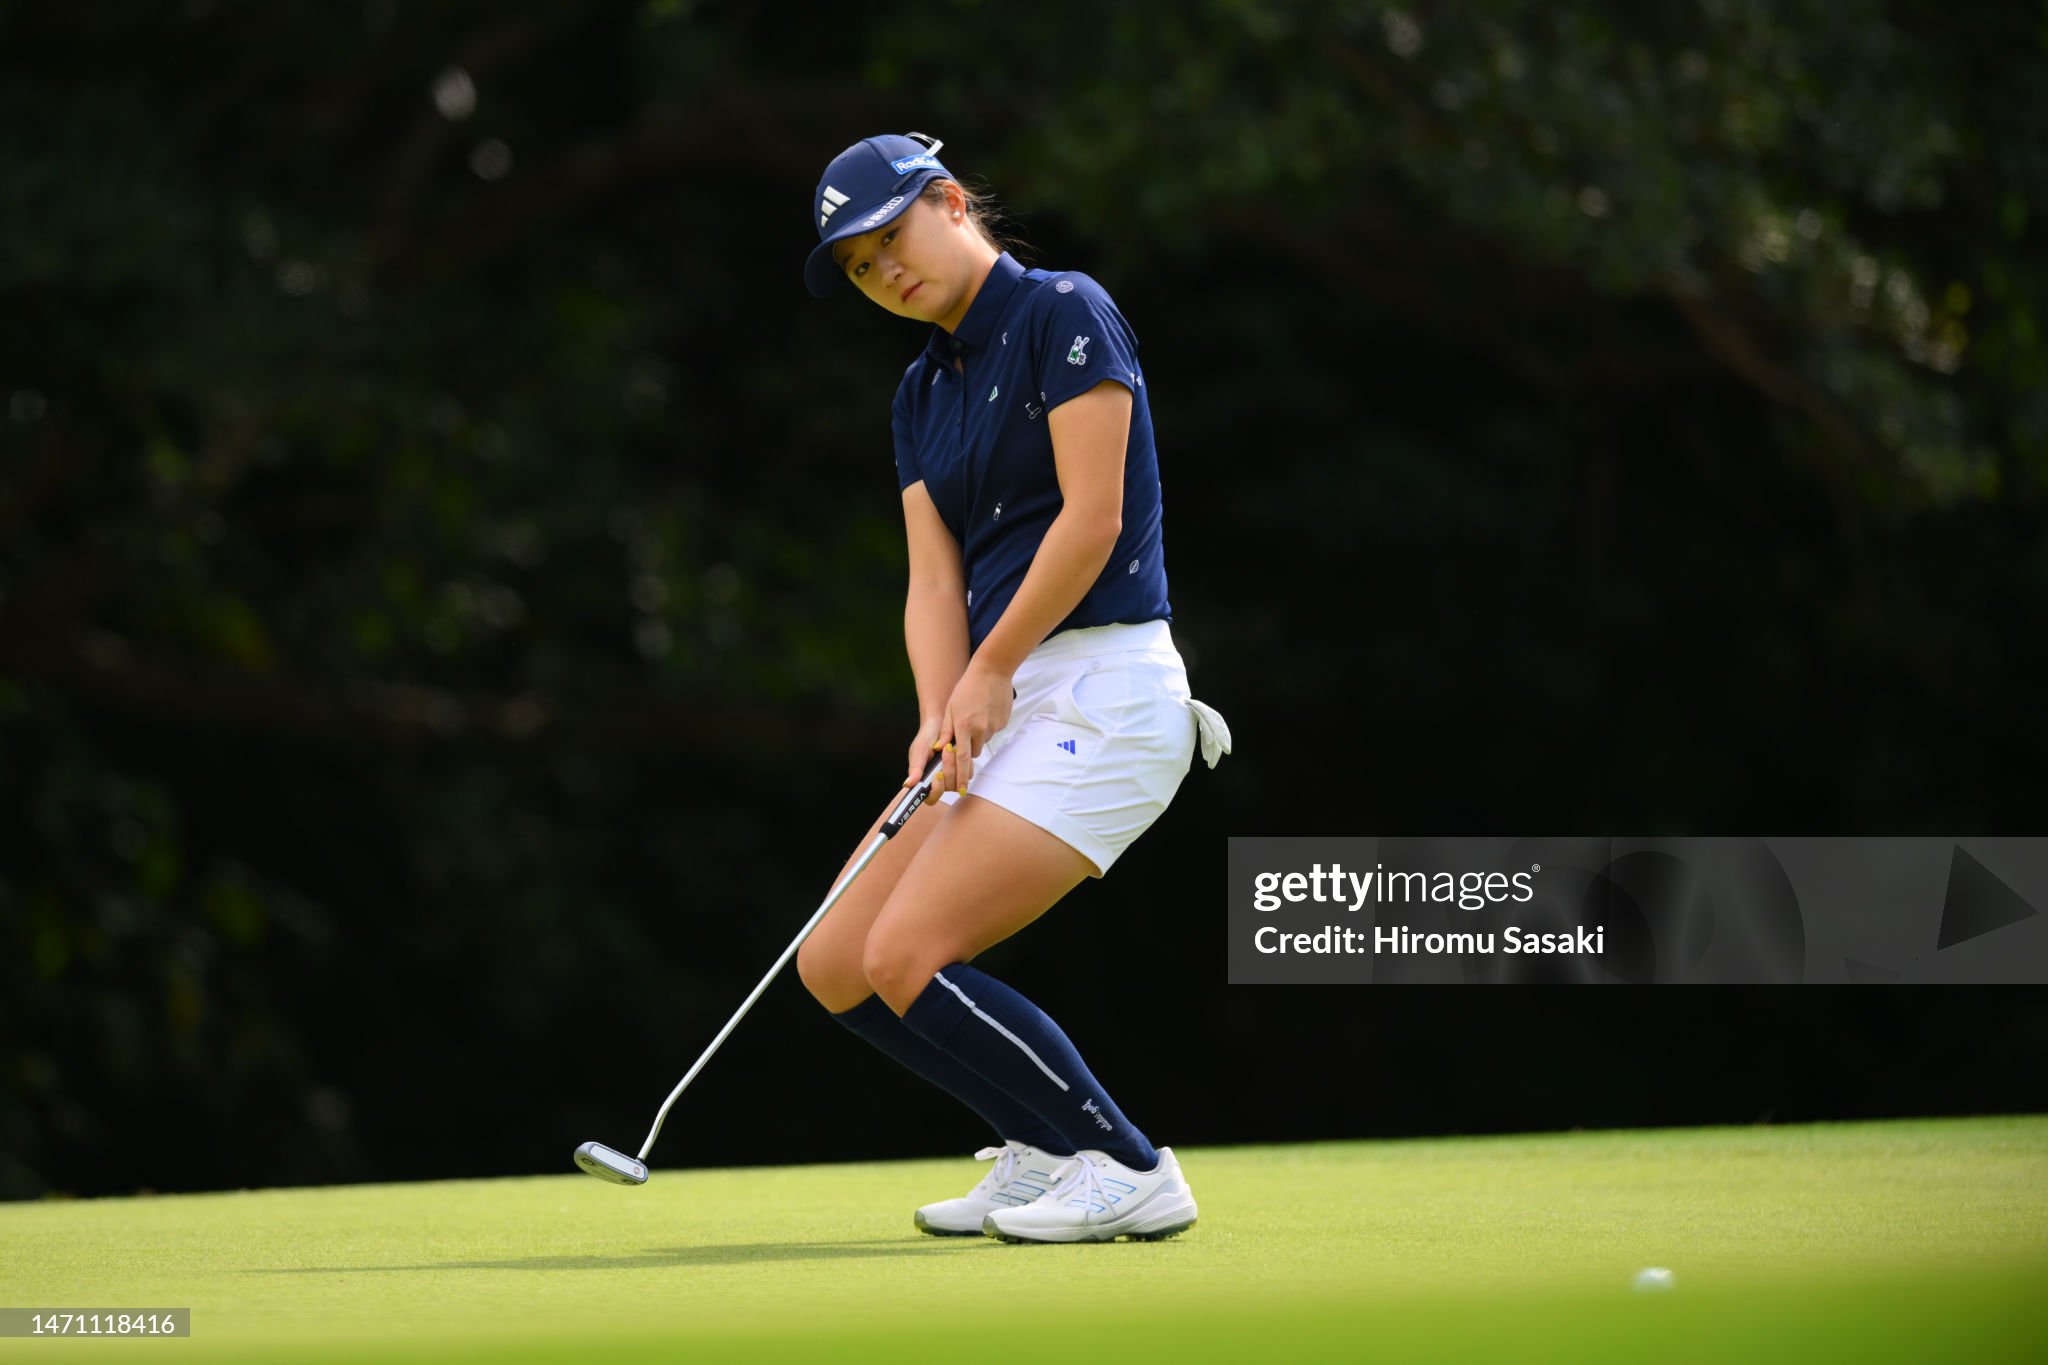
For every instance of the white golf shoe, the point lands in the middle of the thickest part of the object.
(1099, 1199)
(1021, 1174)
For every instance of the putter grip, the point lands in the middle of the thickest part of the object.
(913, 798)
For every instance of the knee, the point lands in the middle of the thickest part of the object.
(896, 969)
(832, 981)
(810, 965)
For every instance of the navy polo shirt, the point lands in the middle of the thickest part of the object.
(980, 442)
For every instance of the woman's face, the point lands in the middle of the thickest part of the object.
(919, 266)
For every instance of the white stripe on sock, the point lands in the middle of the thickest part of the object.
(1036, 1060)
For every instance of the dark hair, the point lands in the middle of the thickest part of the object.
(982, 211)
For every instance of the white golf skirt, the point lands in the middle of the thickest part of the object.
(1101, 734)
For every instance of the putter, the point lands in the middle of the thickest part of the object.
(609, 1164)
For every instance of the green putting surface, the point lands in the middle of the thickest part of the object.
(1915, 1240)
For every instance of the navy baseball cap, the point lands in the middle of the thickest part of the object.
(867, 185)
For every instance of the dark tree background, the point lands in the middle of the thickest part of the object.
(450, 571)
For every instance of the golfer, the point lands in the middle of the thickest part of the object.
(1047, 682)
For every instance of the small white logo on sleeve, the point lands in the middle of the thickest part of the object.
(999, 513)
(833, 199)
(1134, 566)
(992, 393)
(1078, 355)
(1064, 287)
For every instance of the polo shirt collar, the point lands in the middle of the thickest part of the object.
(982, 315)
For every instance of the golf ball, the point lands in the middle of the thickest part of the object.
(1654, 1280)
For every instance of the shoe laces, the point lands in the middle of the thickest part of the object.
(1083, 1185)
(998, 1178)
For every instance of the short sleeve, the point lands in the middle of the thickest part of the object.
(907, 472)
(1082, 340)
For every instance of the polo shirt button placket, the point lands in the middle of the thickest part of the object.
(959, 350)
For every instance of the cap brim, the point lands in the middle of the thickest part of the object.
(822, 274)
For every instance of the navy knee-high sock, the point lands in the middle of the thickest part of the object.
(874, 1021)
(1010, 1042)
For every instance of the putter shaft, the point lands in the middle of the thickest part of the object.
(898, 817)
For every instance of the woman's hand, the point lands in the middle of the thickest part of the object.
(977, 710)
(921, 750)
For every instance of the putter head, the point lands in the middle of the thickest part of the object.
(601, 1161)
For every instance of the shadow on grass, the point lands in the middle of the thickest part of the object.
(655, 1258)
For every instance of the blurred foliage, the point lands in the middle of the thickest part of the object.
(449, 572)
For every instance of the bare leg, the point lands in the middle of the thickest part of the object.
(830, 960)
(979, 877)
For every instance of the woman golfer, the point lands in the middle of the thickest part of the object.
(1047, 680)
